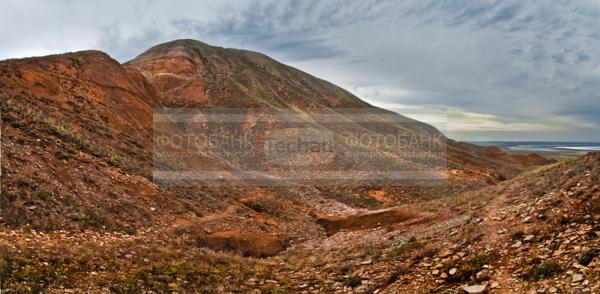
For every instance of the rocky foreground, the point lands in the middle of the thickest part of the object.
(537, 233)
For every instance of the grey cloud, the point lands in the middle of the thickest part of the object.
(504, 14)
(559, 58)
(291, 46)
(292, 30)
(306, 49)
(523, 60)
(583, 57)
(123, 47)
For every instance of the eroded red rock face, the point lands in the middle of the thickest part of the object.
(363, 221)
(76, 143)
(528, 159)
(89, 89)
(177, 74)
(256, 244)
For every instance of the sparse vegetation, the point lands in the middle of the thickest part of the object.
(21, 111)
(405, 248)
(518, 235)
(43, 193)
(467, 269)
(94, 217)
(536, 269)
(426, 253)
(267, 206)
(374, 254)
(353, 281)
(344, 269)
(588, 255)
(62, 154)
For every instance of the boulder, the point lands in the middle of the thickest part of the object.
(474, 289)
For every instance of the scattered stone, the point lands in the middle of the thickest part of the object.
(452, 271)
(474, 289)
(577, 278)
(446, 253)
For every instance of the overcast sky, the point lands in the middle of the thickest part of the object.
(503, 70)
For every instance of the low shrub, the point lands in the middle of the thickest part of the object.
(537, 269)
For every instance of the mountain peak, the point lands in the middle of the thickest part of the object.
(178, 46)
(182, 43)
(192, 73)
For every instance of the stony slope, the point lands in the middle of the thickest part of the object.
(537, 232)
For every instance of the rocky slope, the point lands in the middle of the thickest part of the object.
(79, 209)
(537, 233)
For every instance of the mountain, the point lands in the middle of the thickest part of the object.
(189, 73)
(78, 194)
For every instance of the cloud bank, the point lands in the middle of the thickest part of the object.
(504, 70)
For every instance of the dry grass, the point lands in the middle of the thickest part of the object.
(536, 269)
(467, 269)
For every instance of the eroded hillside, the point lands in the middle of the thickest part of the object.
(80, 210)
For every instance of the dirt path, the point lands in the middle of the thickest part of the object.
(490, 226)
(494, 232)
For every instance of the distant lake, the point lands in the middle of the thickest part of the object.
(542, 146)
